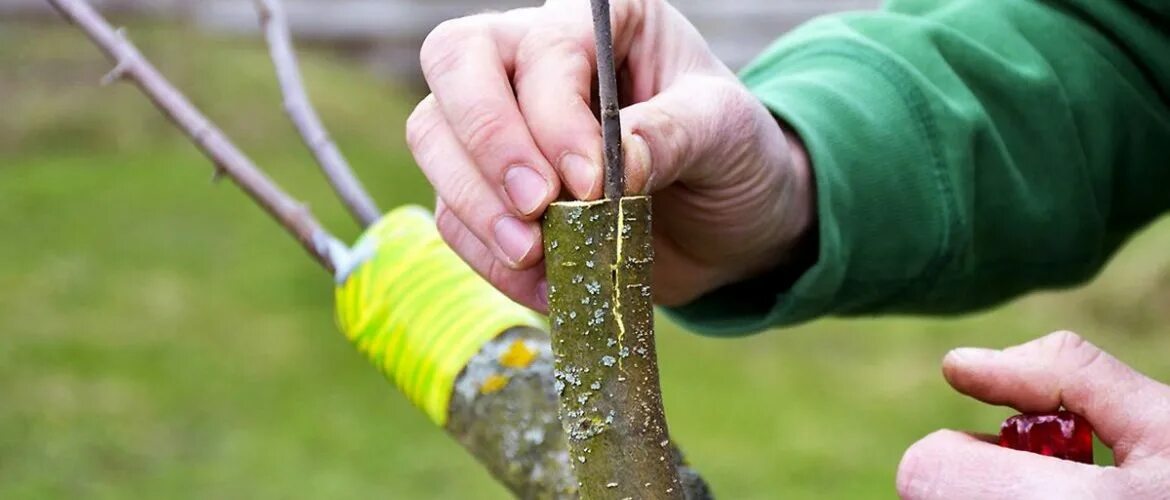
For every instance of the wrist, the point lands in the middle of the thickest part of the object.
(803, 245)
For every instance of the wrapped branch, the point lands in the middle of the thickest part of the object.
(300, 111)
(228, 159)
(488, 382)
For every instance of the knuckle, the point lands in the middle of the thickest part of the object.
(740, 107)
(497, 273)
(663, 132)
(630, 13)
(454, 234)
(421, 124)
(441, 48)
(481, 126)
(550, 42)
(1066, 340)
(446, 222)
(740, 114)
(1071, 348)
(460, 196)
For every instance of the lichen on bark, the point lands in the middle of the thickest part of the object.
(598, 260)
(514, 430)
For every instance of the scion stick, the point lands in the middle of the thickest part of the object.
(611, 124)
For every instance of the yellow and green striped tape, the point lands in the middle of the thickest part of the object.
(417, 311)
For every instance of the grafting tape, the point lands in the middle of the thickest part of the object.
(417, 311)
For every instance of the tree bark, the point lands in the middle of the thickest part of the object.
(514, 430)
(598, 257)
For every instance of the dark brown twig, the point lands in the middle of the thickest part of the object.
(226, 157)
(611, 125)
(300, 111)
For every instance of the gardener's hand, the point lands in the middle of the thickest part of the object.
(1130, 412)
(508, 129)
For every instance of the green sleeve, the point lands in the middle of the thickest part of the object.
(964, 151)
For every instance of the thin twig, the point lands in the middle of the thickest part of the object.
(226, 157)
(611, 125)
(300, 111)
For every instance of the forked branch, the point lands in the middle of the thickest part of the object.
(228, 159)
(300, 111)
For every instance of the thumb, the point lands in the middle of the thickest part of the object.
(701, 130)
(955, 465)
(1062, 369)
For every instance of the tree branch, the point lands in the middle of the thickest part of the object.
(227, 158)
(611, 125)
(598, 257)
(300, 111)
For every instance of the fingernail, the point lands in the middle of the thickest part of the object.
(639, 173)
(526, 188)
(515, 239)
(966, 354)
(579, 173)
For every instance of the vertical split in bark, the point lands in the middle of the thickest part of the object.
(598, 257)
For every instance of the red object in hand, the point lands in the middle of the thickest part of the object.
(1062, 434)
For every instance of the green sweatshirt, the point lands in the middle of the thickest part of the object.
(965, 152)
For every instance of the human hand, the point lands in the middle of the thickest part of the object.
(508, 129)
(1129, 411)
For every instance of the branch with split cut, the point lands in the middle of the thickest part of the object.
(227, 158)
(300, 111)
(598, 257)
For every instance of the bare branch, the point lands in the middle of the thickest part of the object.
(611, 125)
(300, 111)
(226, 157)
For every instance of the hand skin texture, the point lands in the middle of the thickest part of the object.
(1129, 411)
(508, 129)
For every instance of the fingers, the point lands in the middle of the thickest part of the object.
(675, 136)
(554, 71)
(954, 465)
(467, 64)
(469, 196)
(554, 76)
(1127, 409)
(525, 287)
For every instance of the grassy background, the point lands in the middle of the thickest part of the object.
(160, 338)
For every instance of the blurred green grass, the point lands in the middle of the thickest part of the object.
(160, 338)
